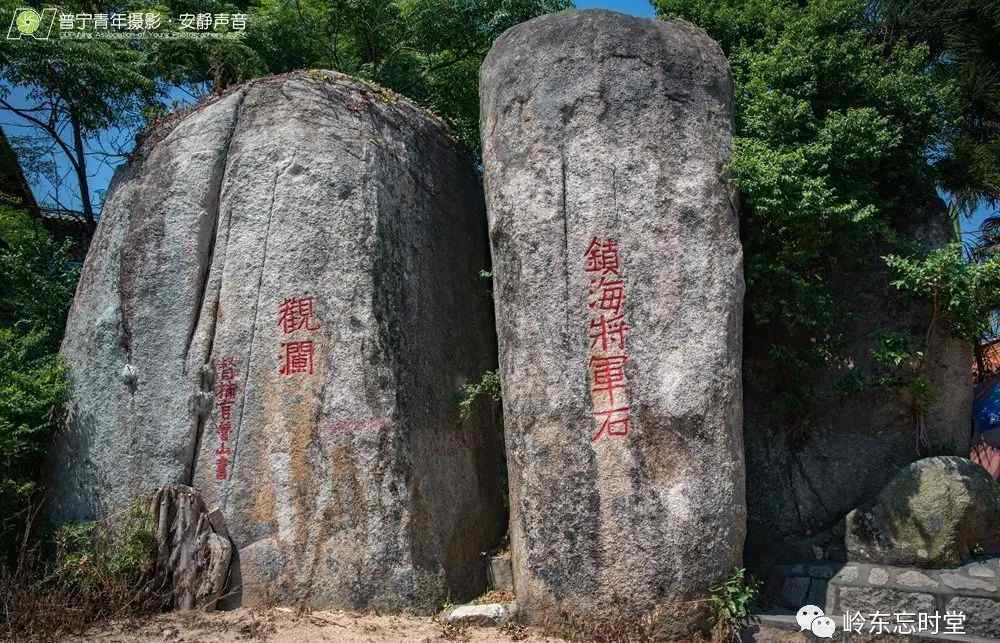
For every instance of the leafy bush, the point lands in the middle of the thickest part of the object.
(489, 385)
(105, 561)
(35, 295)
(32, 391)
(100, 570)
(962, 295)
(731, 603)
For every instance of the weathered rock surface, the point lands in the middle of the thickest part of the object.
(806, 471)
(192, 555)
(933, 513)
(604, 144)
(501, 575)
(279, 306)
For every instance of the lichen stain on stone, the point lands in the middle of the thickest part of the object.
(658, 446)
(348, 498)
(301, 427)
(262, 510)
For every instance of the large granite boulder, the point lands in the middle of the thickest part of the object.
(618, 289)
(806, 471)
(265, 315)
(933, 513)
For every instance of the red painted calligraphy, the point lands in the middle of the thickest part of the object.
(607, 294)
(297, 315)
(615, 422)
(298, 357)
(608, 375)
(225, 394)
(608, 331)
(602, 257)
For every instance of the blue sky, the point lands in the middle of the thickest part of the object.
(101, 175)
(634, 7)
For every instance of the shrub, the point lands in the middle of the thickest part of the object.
(100, 570)
(35, 295)
(489, 385)
(731, 603)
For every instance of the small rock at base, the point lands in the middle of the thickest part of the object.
(483, 615)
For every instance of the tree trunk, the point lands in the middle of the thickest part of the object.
(81, 174)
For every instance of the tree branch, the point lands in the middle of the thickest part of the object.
(45, 126)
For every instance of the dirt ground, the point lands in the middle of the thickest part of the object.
(285, 625)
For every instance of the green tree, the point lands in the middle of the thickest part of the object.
(831, 128)
(962, 294)
(35, 295)
(963, 40)
(427, 50)
(73, 91)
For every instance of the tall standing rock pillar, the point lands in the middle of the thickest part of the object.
(618, 289)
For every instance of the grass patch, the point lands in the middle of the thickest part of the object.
(94, 572)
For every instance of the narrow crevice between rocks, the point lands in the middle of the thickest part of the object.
(212, 208)
(218, 181)
(253, 332)
(565, 218)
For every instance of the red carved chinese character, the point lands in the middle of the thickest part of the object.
(224, 429)
(613, 425)
(602, 257)
(603, 330)
(295, 313)
(227, 369)
(611, 297)
(298, 357)
(222, 462)
(609, 374)
(226, 410)
(227, 391)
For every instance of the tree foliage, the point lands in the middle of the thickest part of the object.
(427, 50)
(832, 123)
(962, 294)
(71, 92)
(963, 41)
(35, 294)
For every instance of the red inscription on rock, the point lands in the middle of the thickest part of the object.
(297, 315)
(608, 333)
(225, 395)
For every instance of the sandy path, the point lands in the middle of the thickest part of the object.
(284, 625)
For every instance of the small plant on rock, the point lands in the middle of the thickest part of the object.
(489, 385)
(731, 603)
